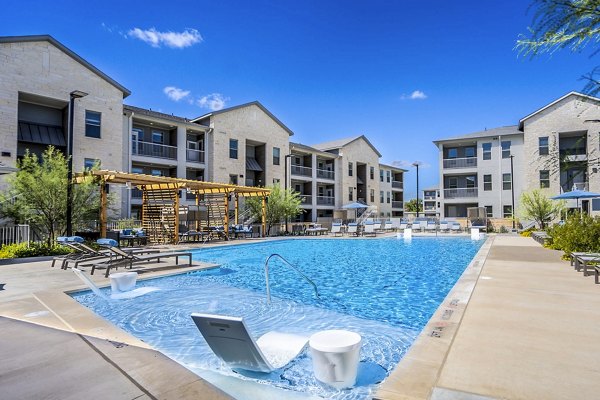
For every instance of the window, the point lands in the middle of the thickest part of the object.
(350, 172)
(380, 175)
(544, 179)
(156, 172)
(276, 152)
(507, 211)
(89, 163)
(489, 211)
(157, 137)
(469, 151)
(233, 148)
(452, 183)
(92, 124)
(506, 182)
(137, 170)
(388, 176)
(487, 183)
(381, 199)
(486, 151)
(452, 153)
(506, 149)
(372, 172)
(372, 195)
(543, 146)
(350, 194)
(388, 197)
(233, 179)
(470, 181)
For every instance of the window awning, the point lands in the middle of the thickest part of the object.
(43, 134)
(252, 164)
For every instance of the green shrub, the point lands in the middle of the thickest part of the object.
(21, 250)
(578, 233)
(502, 229)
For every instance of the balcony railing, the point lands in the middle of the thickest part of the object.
(397, 204)
(325, 174)
(459, 193)
(153, 150)
(306, 199)
(326, 200)
(195, 155)
(467, 162)
(136, 194)
(429, 197)
(397, 184)
(301, 171)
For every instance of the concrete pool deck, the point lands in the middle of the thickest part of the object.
(527, 331)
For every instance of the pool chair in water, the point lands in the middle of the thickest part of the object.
(229, 339)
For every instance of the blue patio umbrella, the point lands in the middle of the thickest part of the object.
(354, 206)
(576, 194)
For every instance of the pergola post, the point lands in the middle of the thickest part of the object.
(103, 206)
(197, 213)
(237, 205)
(226, 216)
(176, 211)
(264, 216)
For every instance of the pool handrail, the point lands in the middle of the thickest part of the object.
(290, 265)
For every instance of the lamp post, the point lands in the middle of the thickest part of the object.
(76, 94)
(285, 180)
(512, 188)
(416, 164)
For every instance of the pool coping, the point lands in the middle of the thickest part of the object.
(417, 373)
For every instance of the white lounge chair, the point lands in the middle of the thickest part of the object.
(444, 226)
(353, 228)
(387, 226)
(369, 227)
(403, 226)
(455, 227)
(430, 227)
(229, 339)
(416, 226)
(336, 228)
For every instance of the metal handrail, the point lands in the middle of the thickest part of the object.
(289, 265)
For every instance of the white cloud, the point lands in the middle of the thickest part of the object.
(176, 40)
(175, 93)
(406, 164)
(415, 95)
(213, 101)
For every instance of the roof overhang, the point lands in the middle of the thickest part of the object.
(573, 93)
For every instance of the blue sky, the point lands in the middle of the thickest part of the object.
(402, 73)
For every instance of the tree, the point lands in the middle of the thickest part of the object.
(37, 194)
(536, 206)
(411, 205)
(559, 24)
(281, 204)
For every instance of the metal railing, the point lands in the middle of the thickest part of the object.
(429, 197)
(306, 199)
(153, 150)
(397, 184)
(459, 193)
(286, 262)
(326, 200)
(397, 204)
(301, 170)
(94, 225)
(14, 234)
(325, 174)
(195, 155)
(467, 162)
(136, 194)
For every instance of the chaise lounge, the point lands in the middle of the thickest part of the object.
(130, 259)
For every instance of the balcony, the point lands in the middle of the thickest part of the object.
(306, 199)
(325, 174)
(397, 184)
(429, 197)
(325, 200)
(136, 194)
(397, 204)
(460, 193)
(467, 162)
(156, 150)
(195, 155)
(301, 170)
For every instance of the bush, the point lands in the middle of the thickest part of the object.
(21, 250)
(578, 233)
(502, 229)
(527, 232)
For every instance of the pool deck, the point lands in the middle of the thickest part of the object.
(519, 324)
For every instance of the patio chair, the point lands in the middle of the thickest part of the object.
(353, 229)
(369, 228)
(444, 226)
(388, 226)
(69, 241)
(403, 226)
(106, 255)
(229, 339)
(416, 226)
(430, 227)
(336, 228)
(134, 258)
(455, 227)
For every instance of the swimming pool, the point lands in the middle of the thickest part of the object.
(384, 289)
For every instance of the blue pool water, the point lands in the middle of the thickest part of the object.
(384, 289)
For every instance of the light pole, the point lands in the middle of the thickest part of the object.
(285, 180)
(76, 94)
(512, 188)
(416, 164)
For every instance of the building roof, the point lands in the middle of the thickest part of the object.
(572, 93)
(501, 131)
(252, 103)
(67, 51)
(393, 167)
(160, 115)
(339, 143)
(301, 146)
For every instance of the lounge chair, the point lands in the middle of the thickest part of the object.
(416, 226)
(430, 227)
(130, 259)
(107, 255)
(71, 242)
(403, 226)
(336, 228)
(444, 226)
(243, 231)
(229, 339)
(353, 228)
(369, 228)
(387, 226)
(455, 227)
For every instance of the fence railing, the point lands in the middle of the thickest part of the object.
(15, 234)
(325, 174)
(153, 150)
(94, 225)
(300, 170)
(458, 193)
(195, 155)
(397, 184)
(466, 162)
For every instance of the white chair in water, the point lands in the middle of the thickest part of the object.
(229, 339)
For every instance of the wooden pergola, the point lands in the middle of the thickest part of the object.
(149, 183)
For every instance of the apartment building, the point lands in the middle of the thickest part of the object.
(555, 148)
(391, 191)
(430, 201)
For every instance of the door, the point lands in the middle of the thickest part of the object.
(192, 151)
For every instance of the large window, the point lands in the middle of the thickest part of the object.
(507, 212)
(388, 176)
(158, 137)
(469, 151)
(92, 124)
(233, 148)
(543, 146)
(506, 181)
(486, 151)
(372, 172)
(388, 197)
(452, 183)
(544, 179)
(233, 179)
(381, 199)
(452, 153)
(276, 155)
(489, 211)
(350, 169)
(380, 175)
(487, 182)
(351, 194)
(506, 149)
(470, 181)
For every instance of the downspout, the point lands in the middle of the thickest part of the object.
(129, 162)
